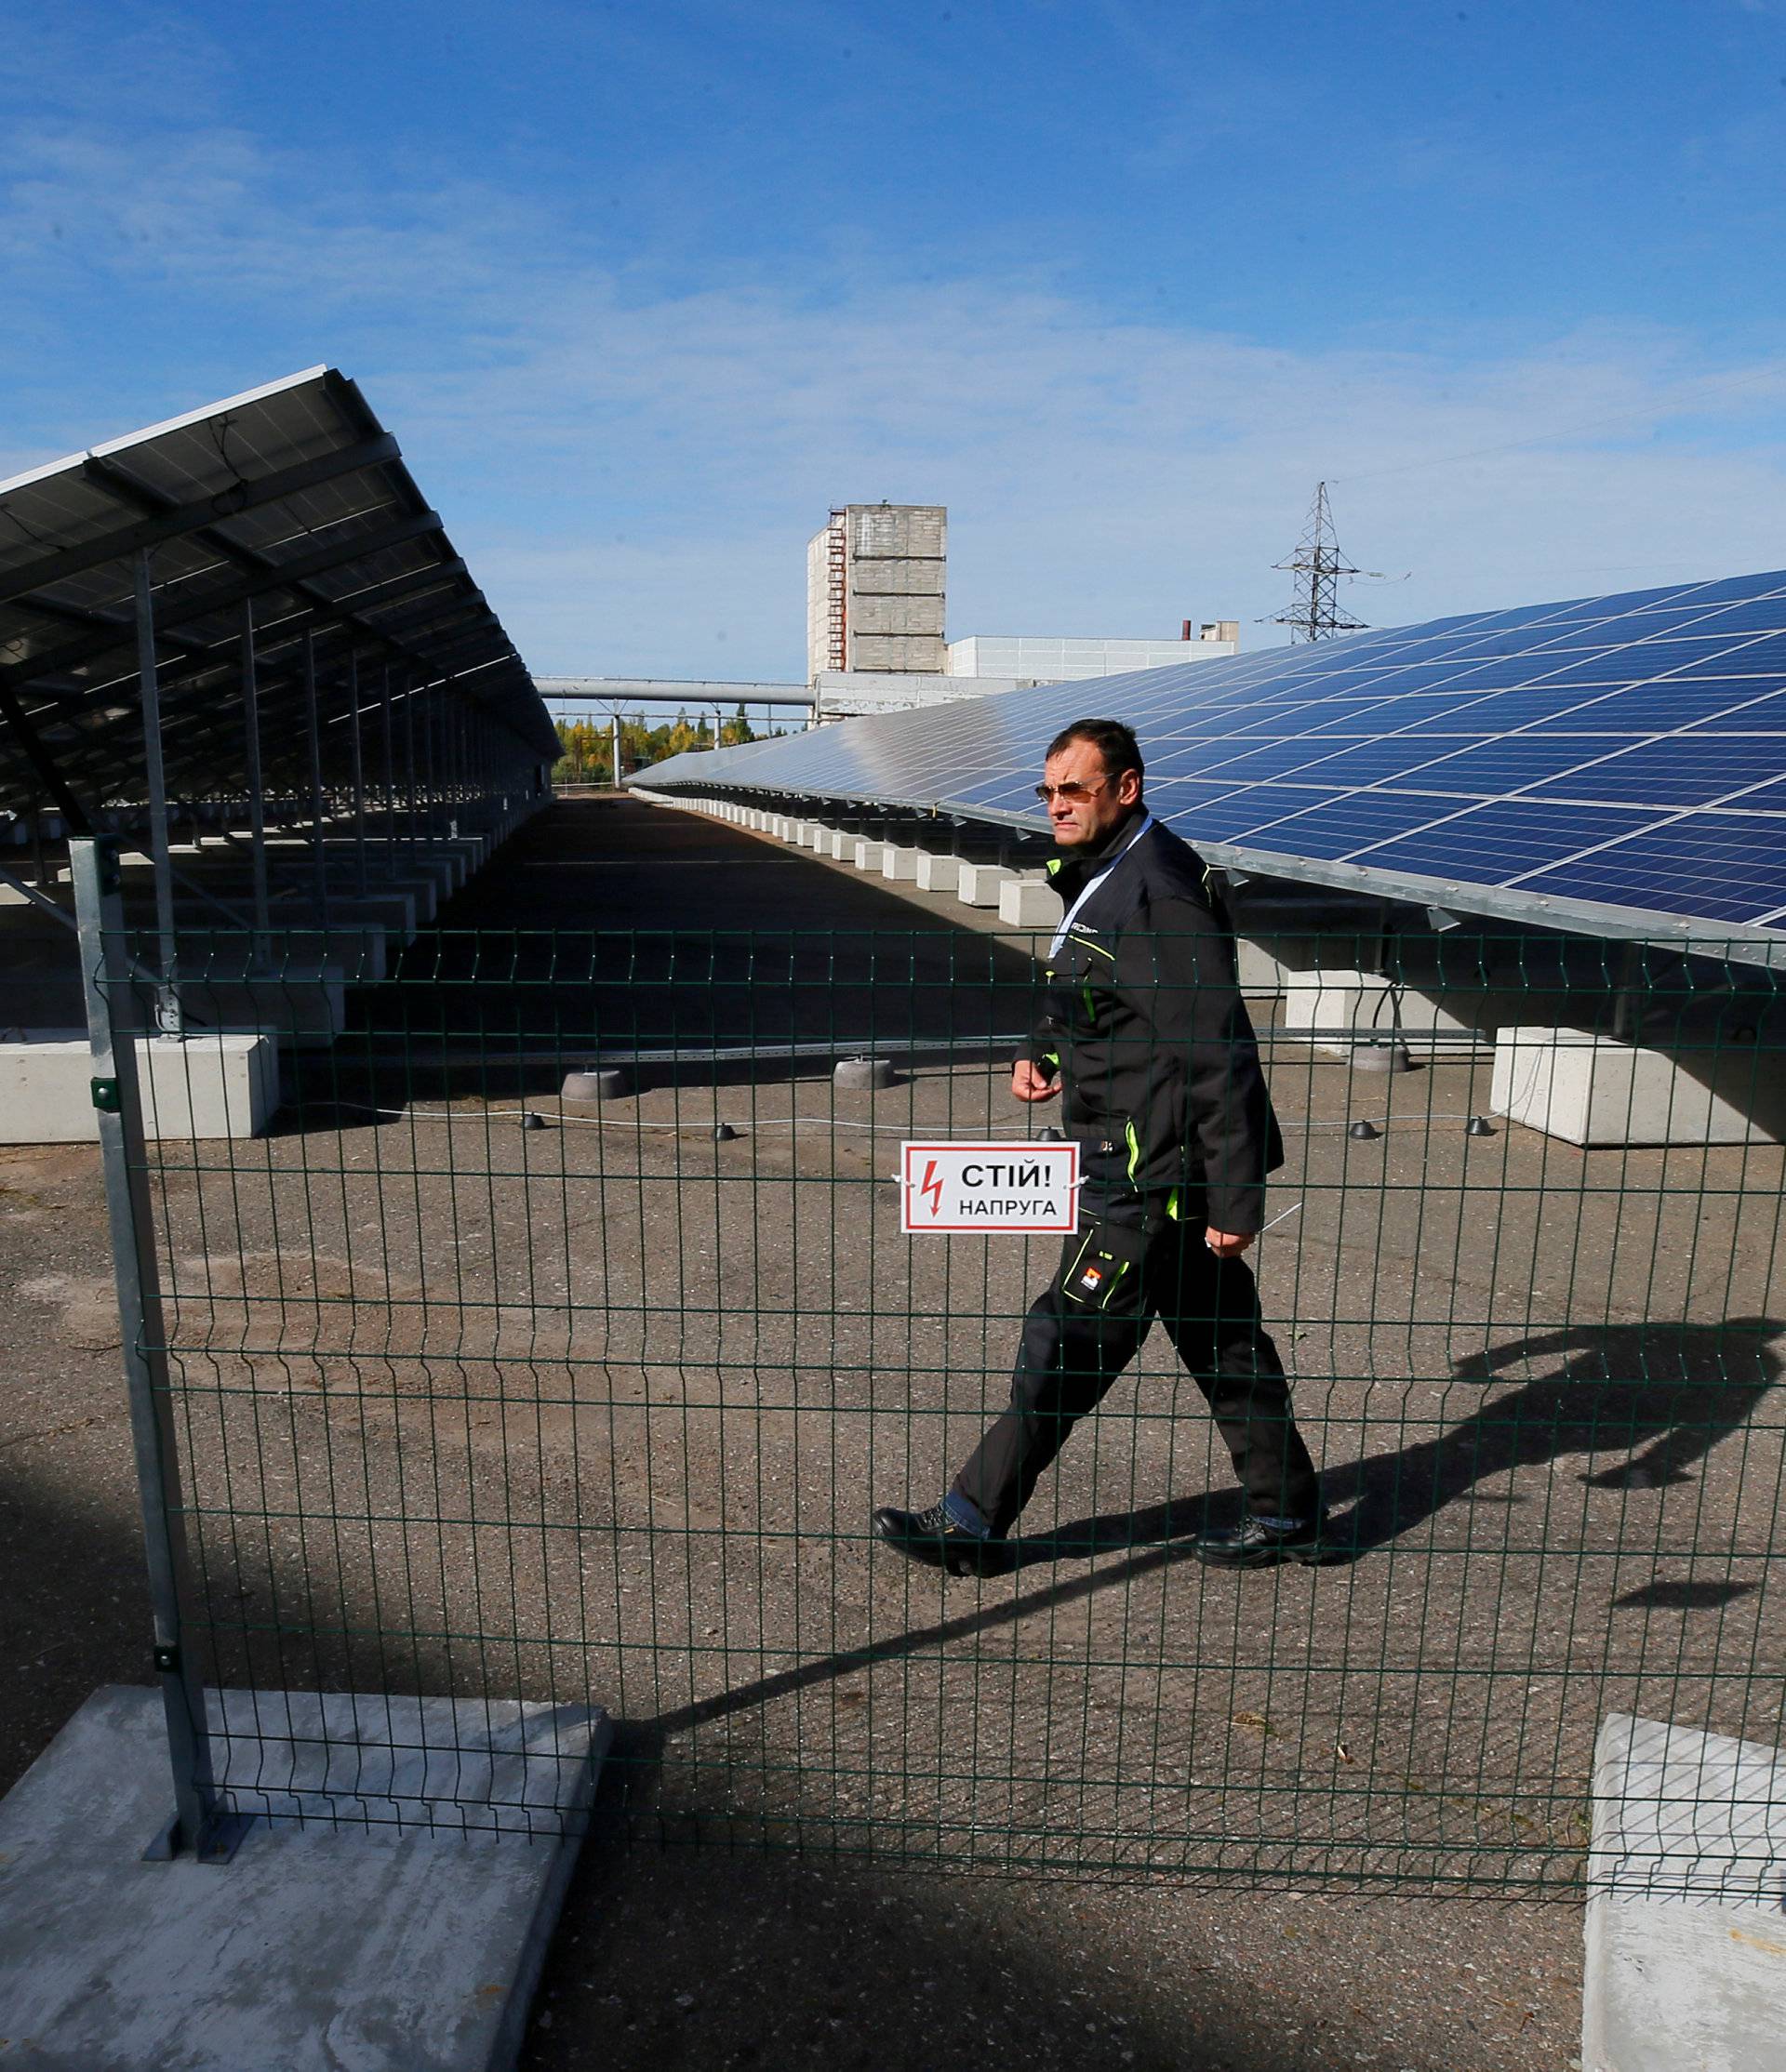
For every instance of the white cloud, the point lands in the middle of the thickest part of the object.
(1102, 479)
(633, 475)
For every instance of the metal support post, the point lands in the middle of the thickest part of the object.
(39, 861)
(199, 1823)
(616, 734)
(428, 790)
(314, 732)
(262, 945)
(409, 757)
(1630, 994)
(168, 1014)
(449, 760)
(390, 849)
(359, 769)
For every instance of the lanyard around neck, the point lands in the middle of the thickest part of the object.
(1123, 848)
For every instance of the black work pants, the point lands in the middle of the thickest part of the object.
(1070, 1353)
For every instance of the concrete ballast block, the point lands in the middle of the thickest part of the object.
(1261, 975)
(858, 1074)
(1593, 1090)
(1027, 903)
(977, 884)
(1686, 1939)
(301, 1005)
(1335, 1009)
(900, 865)
(936, 874)
(600, 1082)
(205, 1086)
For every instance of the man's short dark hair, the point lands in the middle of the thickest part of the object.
(1113, 741)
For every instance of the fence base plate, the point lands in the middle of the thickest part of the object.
(321, 1943)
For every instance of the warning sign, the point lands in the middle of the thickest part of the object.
(989, 1186)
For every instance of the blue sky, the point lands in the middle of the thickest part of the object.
(643, 288)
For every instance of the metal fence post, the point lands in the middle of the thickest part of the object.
(106, 974)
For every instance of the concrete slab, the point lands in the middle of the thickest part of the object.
(977, 884)
(211, 1086)
(1028, 903)
(362, 1947)
(1596, 1091)
(1687, 1875)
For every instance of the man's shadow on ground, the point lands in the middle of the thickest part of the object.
(1658, 1396)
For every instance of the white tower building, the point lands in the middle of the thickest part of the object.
(875, 591)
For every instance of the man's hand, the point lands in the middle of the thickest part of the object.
(1030, 1083)
(1227, 1245)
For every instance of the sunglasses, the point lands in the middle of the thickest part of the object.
(1073, 792)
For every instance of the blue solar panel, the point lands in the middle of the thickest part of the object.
(1645, 708)
(1335, 825)
(1764, 615)
(1600, 753)
(1717, 867)
(1677, 770)
(1506, 765)
(1746, 712)
(1506, 674)
(1500, 842)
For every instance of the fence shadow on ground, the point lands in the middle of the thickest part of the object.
(1665, 1396)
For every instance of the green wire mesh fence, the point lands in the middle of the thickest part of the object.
(488, 1381)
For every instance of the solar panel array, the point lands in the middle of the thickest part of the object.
(290, 502)
(1599, 762)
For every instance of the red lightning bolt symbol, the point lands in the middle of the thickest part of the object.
(932, 1186)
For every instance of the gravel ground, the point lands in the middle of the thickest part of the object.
(600, 1409)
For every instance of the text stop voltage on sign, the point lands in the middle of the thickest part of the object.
(956, 1185)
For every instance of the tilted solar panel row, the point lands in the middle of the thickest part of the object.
(1602, 762)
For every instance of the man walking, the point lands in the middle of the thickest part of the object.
(1144, 1032)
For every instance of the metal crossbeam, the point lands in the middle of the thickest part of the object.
(172, 610)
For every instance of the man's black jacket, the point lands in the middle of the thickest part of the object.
(1144, 1021)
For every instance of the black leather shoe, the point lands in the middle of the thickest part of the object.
(1253, 1543)
(934, 1537)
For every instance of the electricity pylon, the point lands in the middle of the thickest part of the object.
(1317, 564)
